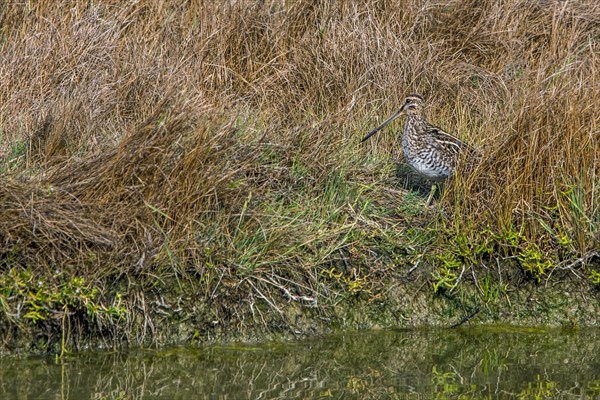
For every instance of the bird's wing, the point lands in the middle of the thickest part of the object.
(447, 140)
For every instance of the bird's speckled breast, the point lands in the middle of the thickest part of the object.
(422, 155)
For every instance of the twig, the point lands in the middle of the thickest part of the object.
(467, 318)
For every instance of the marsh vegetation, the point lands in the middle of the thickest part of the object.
(185, 171)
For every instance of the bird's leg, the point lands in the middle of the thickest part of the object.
(431, 193)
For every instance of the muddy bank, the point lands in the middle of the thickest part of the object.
(176, 312)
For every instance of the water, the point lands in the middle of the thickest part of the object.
(421, 364)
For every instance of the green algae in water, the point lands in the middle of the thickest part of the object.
(481, 362)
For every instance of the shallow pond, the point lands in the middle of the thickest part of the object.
(416, 364)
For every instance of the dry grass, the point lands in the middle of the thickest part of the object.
(218, 141)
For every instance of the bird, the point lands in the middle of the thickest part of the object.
(428, 149)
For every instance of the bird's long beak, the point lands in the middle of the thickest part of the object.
(385, 123)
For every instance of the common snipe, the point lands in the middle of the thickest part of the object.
(430, 151)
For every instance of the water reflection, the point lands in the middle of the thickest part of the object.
(462, 363)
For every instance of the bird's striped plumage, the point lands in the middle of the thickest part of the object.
(428, 149)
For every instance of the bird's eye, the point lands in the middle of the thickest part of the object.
(407, 101)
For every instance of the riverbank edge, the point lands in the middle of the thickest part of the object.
(167, 316)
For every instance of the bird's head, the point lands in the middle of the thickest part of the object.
(412, 105)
